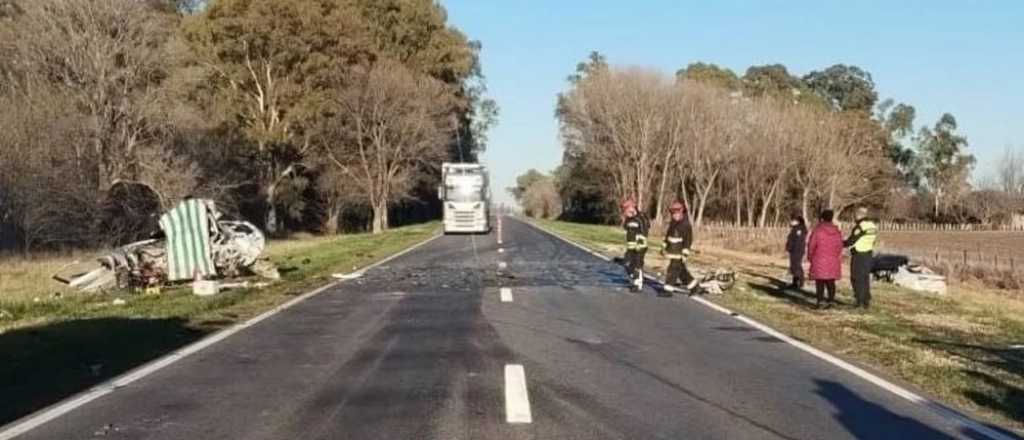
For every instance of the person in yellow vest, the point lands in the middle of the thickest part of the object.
(862, 248)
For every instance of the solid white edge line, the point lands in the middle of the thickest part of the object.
(65, 406)
(517, 399)
(906, 394)
(506, 295)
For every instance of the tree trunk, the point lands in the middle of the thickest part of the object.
(659, 217)
(330, 225)
(803, 202)
(767, 203)
(739, 207)
(271, 221)
(379, 218)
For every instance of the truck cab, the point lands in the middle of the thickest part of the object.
(466, 197)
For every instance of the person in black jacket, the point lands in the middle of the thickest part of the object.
(678, 239)
(636, 225)
(796, 247)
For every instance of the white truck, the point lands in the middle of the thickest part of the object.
(465, 193)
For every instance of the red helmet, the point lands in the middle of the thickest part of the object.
(677, 207)
(628, 203)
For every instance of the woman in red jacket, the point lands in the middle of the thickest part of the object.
(825, 252)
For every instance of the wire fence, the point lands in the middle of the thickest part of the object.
(961, 254)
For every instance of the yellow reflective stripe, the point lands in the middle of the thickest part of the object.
(866, 242)
(674, 256)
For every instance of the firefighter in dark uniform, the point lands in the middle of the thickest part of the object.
(862, 248)
(678, 239)
(636, 226)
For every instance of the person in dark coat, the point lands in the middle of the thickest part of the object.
(796, 246)
(636, 225)
(678, 239)
(825, 252)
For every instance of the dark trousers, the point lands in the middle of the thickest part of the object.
(635, 262)
(823, 286)
(678, 274)
(860, 277)
(796, 268)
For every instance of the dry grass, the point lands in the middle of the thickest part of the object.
(958, 348)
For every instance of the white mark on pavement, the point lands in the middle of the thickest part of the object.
(938, 408)
(517, 401)
(501, 250)
(502, 265)
(506, 295)
(33, 421)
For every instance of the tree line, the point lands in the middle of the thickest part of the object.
(754, 149)
(297, 114)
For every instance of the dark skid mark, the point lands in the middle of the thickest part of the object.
(399, 380)
(612, 354)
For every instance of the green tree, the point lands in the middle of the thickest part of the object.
(596, 62)
(775, 81)
(265, 65)
(523, 183)
(710, 74)
(945, 165)
(897, 120)
(845, 88)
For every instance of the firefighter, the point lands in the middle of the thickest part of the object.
(862, 247)
(636, 226)
(678, 239)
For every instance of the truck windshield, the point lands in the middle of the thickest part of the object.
(463, 195)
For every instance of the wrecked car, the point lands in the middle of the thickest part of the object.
(195, 242)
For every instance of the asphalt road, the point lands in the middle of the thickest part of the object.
(417, 349)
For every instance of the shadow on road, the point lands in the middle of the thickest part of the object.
(865, 419)
(42, 365)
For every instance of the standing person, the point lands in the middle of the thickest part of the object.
(862, 251)
(678, 239)
(636, 226)
(825, 251)
(796, 245)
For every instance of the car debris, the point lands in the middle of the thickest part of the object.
(195, 242)
(898, 270)
(717, 282)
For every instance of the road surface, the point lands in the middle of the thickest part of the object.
(424, 347)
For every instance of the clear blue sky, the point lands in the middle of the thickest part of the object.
(962, 57)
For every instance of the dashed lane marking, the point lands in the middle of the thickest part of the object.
(506, 295)
(517, 400)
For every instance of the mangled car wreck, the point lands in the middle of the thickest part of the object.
(194, 242)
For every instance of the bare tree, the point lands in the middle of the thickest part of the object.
(106, 58)
(388, 122)
(619, 118)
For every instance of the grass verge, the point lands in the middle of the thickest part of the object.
(962, 348)
(58, 346)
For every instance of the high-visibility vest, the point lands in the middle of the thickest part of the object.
(866, 243)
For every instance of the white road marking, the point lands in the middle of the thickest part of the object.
(501, 250)
(517, 400)
(938, 408)
(44, 415)
(506, 295)
(502, 265)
